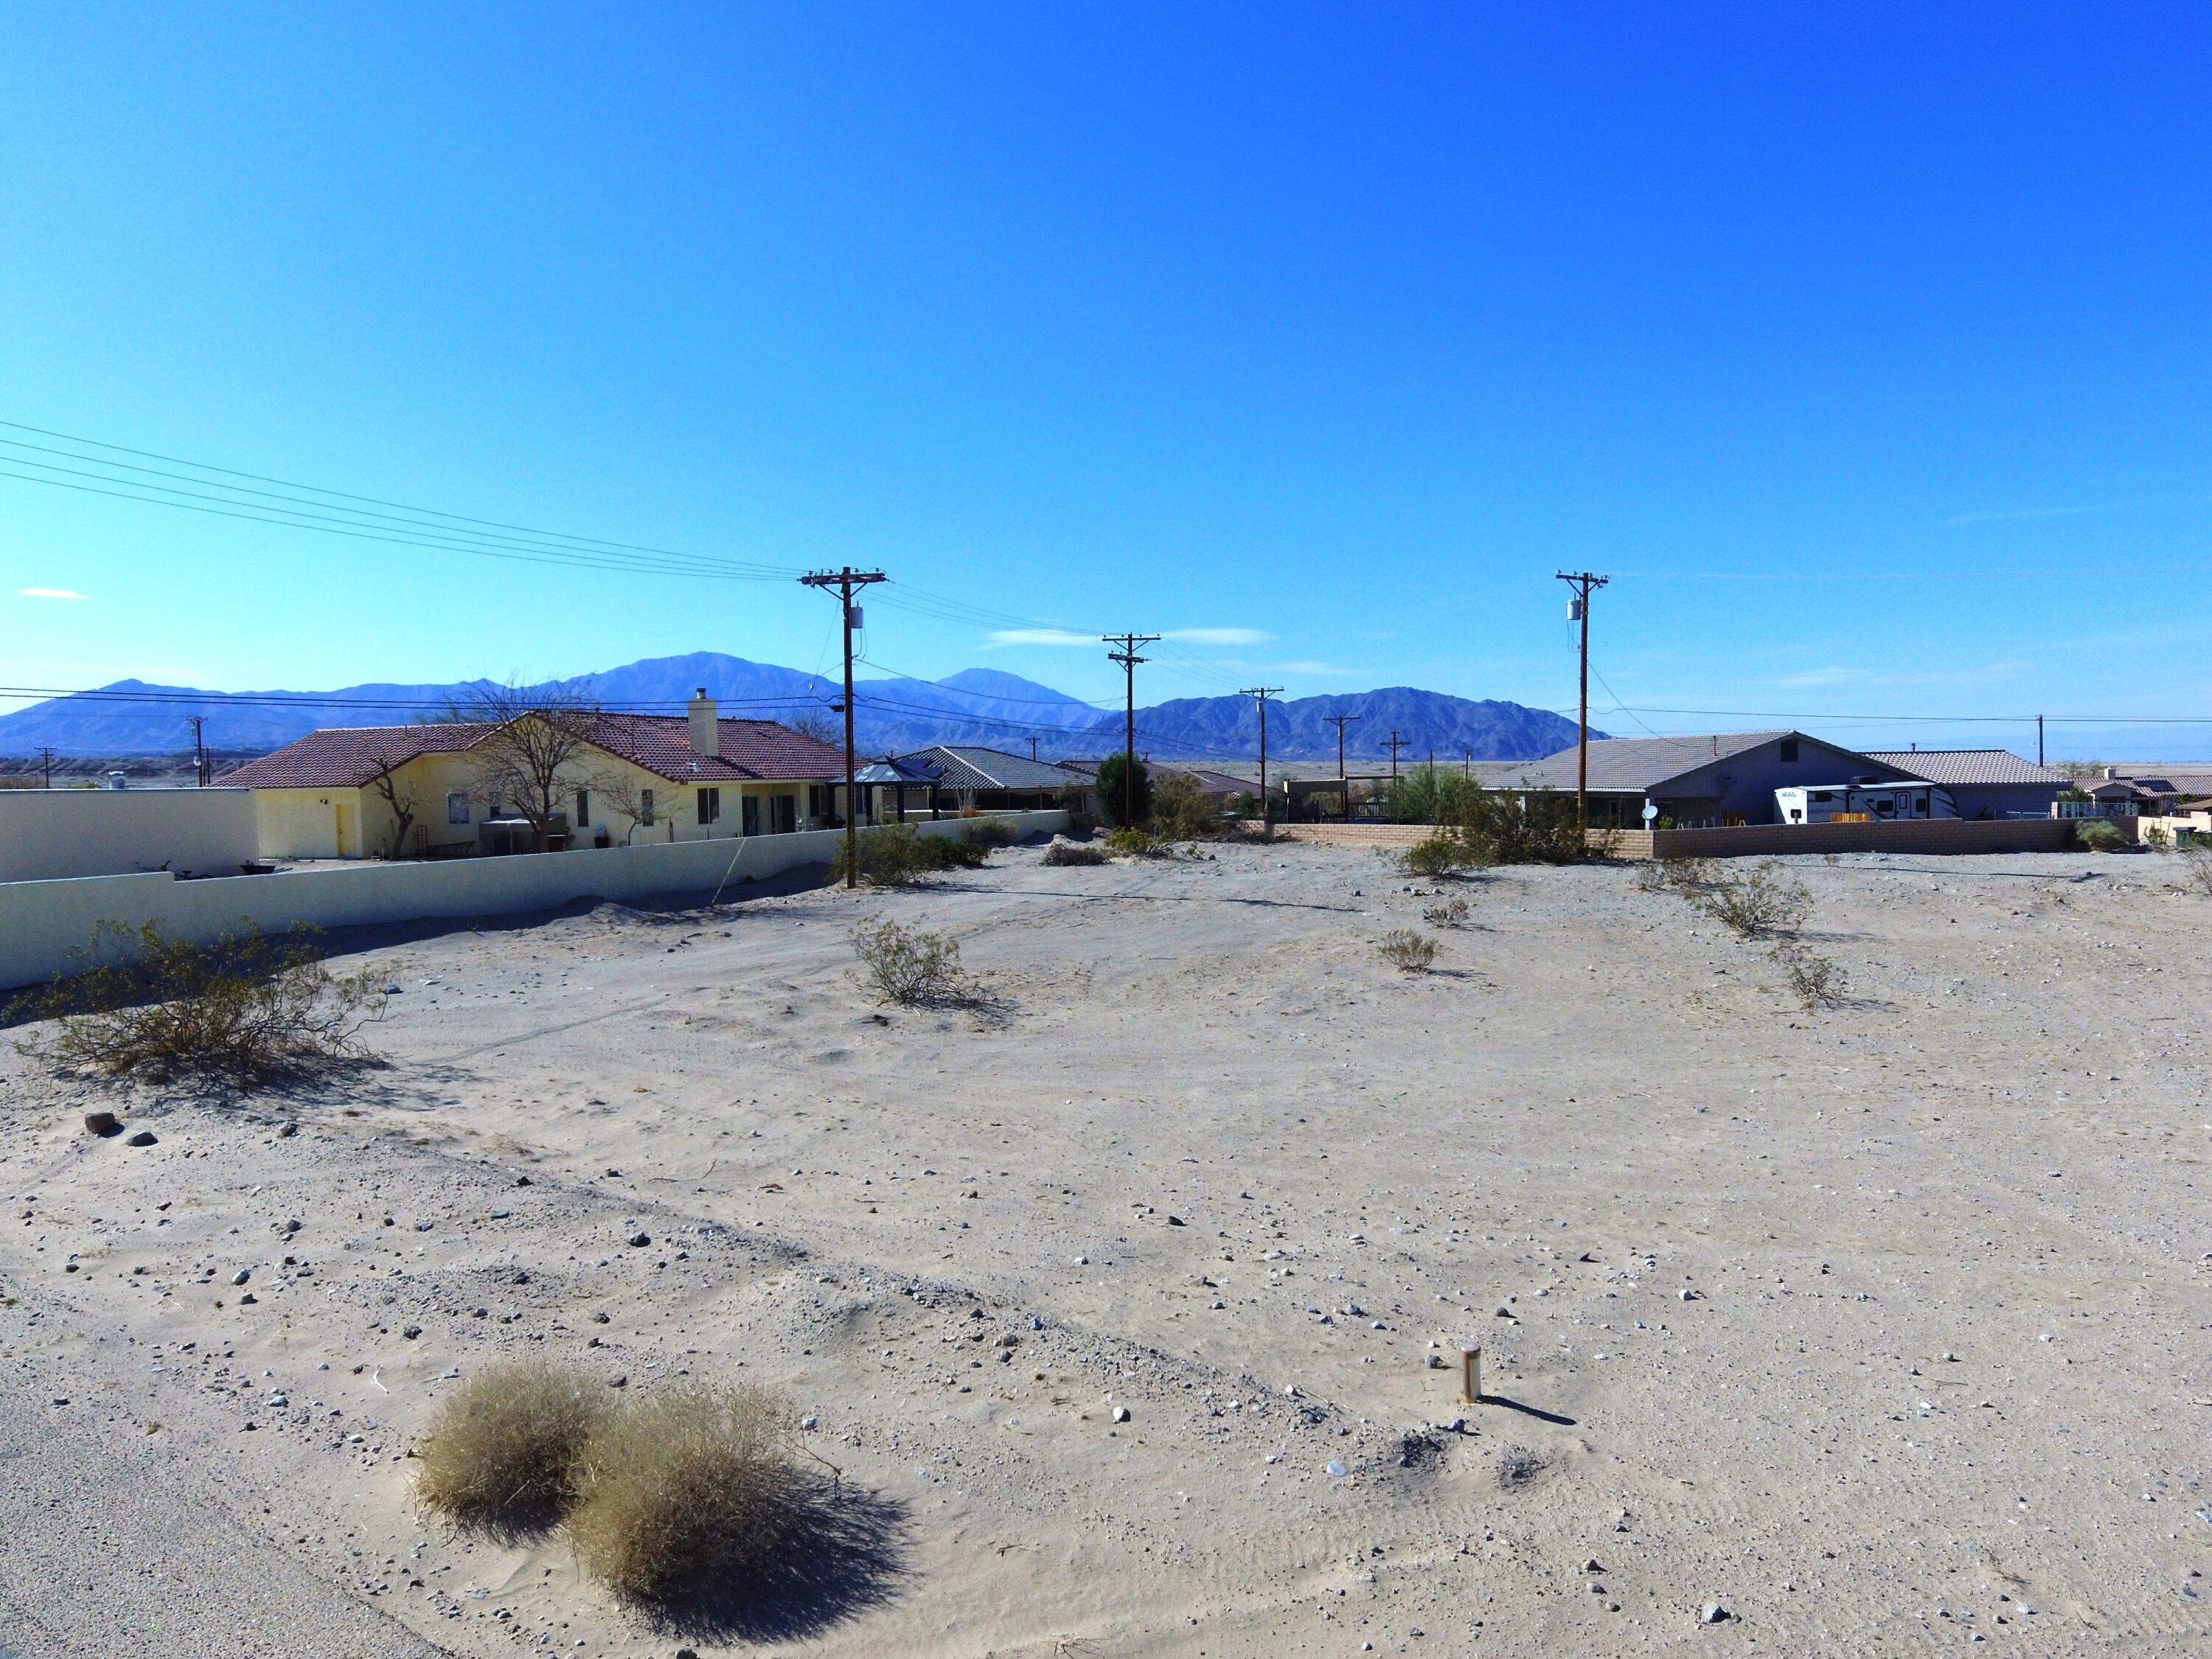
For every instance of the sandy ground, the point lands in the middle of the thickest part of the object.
(1879, 1329)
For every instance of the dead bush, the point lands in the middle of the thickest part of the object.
(248, 1008)
(691, 1486)
(1406, 951)
(991, 833)
(502, 1451)
(1818, 981)
(1758, 904)
(1451, 914)
(908, 965)
(1073, 853)
(2196, 858)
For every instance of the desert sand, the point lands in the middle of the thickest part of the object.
(1857, 1331)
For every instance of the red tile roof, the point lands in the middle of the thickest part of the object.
(348, 757)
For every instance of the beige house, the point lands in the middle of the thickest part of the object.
(451, 790)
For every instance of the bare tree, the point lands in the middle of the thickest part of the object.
(815, 722)
(539, 752)
(622, 793)
(385, 783)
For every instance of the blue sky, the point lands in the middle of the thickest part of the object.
(1865, 347)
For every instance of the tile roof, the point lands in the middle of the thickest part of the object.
(969, 767)
(1967, 766)
(347, 757)
(1626, 764)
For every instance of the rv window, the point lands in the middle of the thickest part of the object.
(1824, 794)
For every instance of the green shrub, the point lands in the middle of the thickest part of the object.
(1757, 905)
(251, 1006)
(899, 854)
(907, 965)
(1437, 856)
(1111, 791)
(1181, 811)
(1430, 794)
(2098, 835)
(1125, 842)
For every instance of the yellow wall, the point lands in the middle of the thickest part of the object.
(302, 824)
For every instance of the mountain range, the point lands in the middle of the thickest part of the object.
(980, 706)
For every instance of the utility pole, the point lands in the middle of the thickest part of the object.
(1343, 787)
(1395, 742)
(1032, 746)
(847, 582)
(1128, 657)
(1584, 585)
(1264, 692)
(199, 749)
(46, 762)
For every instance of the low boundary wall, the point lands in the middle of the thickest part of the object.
(1355, 834)
(1934, 836)
(41, 923)
(54, 834)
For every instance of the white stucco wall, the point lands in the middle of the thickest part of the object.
(50, 834)
(42, 922)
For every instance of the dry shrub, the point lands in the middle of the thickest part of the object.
(2196, 858)
(1181, 811)
(1817, 980)
(503, 1449)
(989, 832)
(1073, 853)
(250, 1007)
(688, 1487)
(1757, 905)
(1452, 914)
(908, 965)
(898, 854)
(1129, 843)
(1406, 951)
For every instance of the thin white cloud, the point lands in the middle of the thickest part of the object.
(1982, 674)
(48, 594)
(1218, 636)
(1040, 637)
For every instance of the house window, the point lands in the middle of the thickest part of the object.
(457, 807)
(583, 809)
(783, 814)
(1789, 749)
(752, 814)
(710, 805)
(645, 807)
(818, 801)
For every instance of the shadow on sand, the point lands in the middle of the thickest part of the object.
(843, 1552)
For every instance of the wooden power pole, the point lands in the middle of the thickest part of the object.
(1584, 585)
(1394, 743)
(1128, 657)
(1264, 692)
(847, 582)
(46, 762)
(199, 749)
(1343, 786)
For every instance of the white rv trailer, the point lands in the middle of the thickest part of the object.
(1883, 803)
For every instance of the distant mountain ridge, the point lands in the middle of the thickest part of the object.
(984, 707)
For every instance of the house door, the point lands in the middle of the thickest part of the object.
(344, 835)
(752, 814)
(783, 811)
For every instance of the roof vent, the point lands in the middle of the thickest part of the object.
(706, 734)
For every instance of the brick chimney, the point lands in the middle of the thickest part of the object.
(706, 734)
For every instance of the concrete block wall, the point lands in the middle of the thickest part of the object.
(42, 922)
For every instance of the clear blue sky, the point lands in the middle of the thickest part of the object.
(1866, 347)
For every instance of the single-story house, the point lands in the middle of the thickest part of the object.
(1984, 783)
(1218, 787)
(1726, 777)
(989, 780)
(437, 790)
